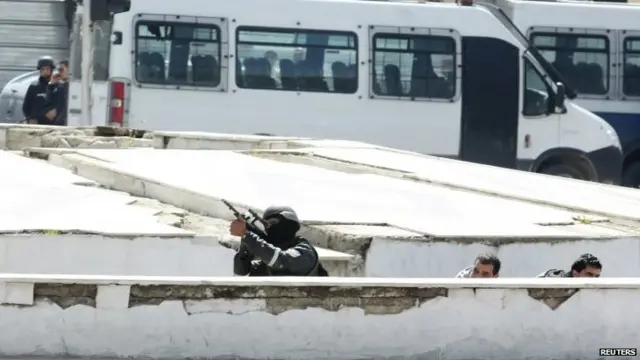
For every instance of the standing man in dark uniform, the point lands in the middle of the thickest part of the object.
(36, 107)
(282, 253)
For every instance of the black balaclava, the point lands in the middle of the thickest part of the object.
(282, 234)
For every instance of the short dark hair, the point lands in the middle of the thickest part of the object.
(584, 261)
(64, 62)
(489, 259)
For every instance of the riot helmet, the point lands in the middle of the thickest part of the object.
(282, 231)
(46, 61)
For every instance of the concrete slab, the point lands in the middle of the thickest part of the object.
(438, 230)
(190, 140)
(37, 196)
(195, 140)
(322, 196)
(582, 196)
(54, 221)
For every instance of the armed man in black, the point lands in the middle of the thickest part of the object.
(281, 253)
(36, 107)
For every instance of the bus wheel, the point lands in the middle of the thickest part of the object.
(631, 176)
(563, 170)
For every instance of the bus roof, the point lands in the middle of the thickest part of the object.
(572, 14)
(346, 14)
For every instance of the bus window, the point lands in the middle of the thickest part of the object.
(582, 59)
(413, 66)
(297, 60)
(631, 79)
(174, 53)
(536, 92)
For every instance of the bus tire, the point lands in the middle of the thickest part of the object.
(563, 170)
(631, 176)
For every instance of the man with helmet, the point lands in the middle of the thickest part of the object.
(36, 107)
(282, 253)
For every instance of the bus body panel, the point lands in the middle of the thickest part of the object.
(619, 105)
(426, 125)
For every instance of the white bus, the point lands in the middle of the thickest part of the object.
(596, 48)
(443, 79)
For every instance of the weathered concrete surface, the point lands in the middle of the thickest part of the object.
(397, 227)
(336, 318)
(57, 222)
(193, 140)
(620, 256)
(79, 254)
(19, 137)
(186, 140)
(38, 197)
(562, 193)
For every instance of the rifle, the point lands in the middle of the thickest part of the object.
(255, 223)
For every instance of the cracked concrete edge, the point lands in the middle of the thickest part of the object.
(359, 244)
(308, 157)
(23, 137)
(328, 238)
(275, 299)
(318, 234)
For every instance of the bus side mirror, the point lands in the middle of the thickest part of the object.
(561, 94)
(102, 10)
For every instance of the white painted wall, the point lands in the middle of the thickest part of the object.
(495, 321)
(99, 255)
(394, 258)
(150, 256)
(203, 256)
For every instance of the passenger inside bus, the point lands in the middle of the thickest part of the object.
(406, 65)
(177, 54)
(586, 78)
(296, 60)
(581, 59)
(631, 80)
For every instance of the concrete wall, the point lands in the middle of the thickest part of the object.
(204, 256)
(282, 318)
(95, 254)
(153, 256)
(400, 258)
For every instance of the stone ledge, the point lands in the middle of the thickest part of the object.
(374, 296)
(499, 283)
(276, 300)
(20, 137)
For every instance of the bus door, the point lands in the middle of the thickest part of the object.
(490, 101)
